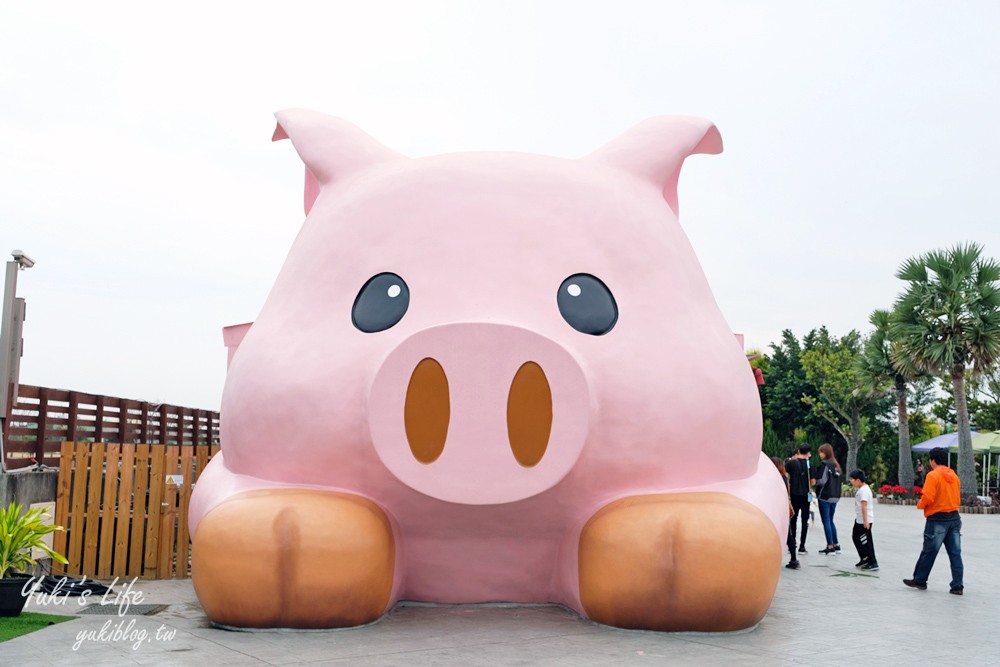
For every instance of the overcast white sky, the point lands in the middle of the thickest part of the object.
(136, 165)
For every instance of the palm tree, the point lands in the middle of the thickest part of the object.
(947, 322)
(882, 372)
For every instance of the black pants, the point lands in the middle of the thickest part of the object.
(800, 505)
(864, 544)
(790, 540)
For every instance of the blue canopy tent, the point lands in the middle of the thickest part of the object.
(948, 440)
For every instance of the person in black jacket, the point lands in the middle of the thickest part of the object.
(793, 562)
(798, 490)
(828, 493)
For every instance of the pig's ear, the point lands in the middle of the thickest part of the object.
(331, 148)
(655, 150)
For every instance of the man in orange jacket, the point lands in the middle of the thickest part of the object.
(940, 501)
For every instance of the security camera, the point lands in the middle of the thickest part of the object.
(22, 260)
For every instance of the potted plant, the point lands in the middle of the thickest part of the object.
(19, 533)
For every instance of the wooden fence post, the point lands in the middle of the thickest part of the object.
(125, 512)
(183, 539)
(93, 511)
(62, 504)
(99, 419)
(154, 512)
(81, 462)
(71, 422)
(139, 510)
(144, 423)
(107, 542)
(163, 424)
(43, 409)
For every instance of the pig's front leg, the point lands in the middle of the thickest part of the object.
(703, 561)
(294, 558)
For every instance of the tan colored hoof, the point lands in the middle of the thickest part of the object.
(294, 558)
(679, 562)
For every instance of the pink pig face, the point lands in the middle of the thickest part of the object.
(485, 327)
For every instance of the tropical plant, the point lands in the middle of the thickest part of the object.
(948, 322)
(883, 372)
(879, 472)
(19, 534)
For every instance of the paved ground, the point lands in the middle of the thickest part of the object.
(823, 614)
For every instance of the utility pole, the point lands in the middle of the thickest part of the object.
(11, 347)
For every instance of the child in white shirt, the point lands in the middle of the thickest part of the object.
(864, 513)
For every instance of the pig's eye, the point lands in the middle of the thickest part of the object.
(587, 304)
(381, 303)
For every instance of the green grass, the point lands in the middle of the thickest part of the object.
(16, 626)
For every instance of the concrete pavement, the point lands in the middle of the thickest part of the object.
(823, 614)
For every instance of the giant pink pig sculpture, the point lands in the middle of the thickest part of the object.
(490, 377)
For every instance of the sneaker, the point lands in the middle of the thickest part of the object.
(836, 548)
(828, 551)
(960, 590)
(802, 550)
(793, 565)
(870, 567)
(913, 583)
(859, 564)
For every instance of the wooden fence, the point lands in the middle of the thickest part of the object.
(125, 508)
(42, 418)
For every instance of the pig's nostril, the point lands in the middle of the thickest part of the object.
(529, 414)
(427, 411)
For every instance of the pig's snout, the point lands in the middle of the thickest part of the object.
(529, 414)
(479, 413)
(428, 410)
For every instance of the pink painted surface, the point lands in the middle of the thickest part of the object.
(662, 403)
(232, 336)
(476, 467)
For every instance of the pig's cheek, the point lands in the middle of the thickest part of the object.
(289, 404)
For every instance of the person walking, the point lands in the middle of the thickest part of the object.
(793, 562)
(942, 525)
(864, 515)
(798, 490)
(827, 495)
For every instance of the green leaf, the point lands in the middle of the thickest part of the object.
(19, 533)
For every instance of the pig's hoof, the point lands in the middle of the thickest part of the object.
(294, 559)
(679, 562)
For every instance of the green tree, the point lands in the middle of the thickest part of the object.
(832, 367)
(781, 394)
(983, 398)
(771, 444)
(784, 385)
(921, 428)
(943, 407)
(947, 322)
(985, 409)
(883, 372)
(923, 392)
